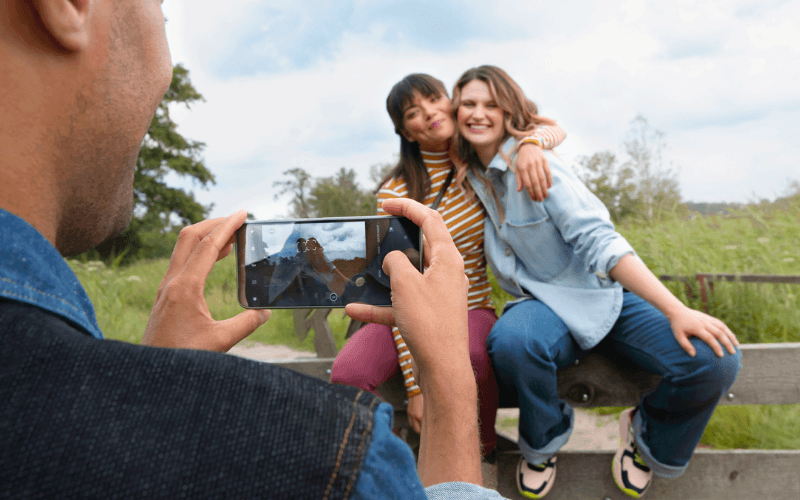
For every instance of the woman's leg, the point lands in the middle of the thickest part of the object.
(670, 420)
(527, 346)
(481, 322)
(368, 359)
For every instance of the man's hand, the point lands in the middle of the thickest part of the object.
(414, 410)
(180, 317)
(429, 309)
(533, 171)
(431, 312)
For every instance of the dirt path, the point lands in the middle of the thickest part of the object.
(264, 352)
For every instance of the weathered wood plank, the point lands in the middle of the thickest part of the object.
(393, 391)
(742, 278)
(712, 475)
(769, 375)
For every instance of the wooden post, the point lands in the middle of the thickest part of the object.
(305, 319)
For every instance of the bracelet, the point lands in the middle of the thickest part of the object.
(532, 139)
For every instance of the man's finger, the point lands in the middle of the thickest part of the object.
(429, 220)
(207, 252)
(370, 314)
(235, 329)
(399, 269)
(189, 237)
(426, 252)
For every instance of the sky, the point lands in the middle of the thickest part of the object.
(340, 240)
(304, 84)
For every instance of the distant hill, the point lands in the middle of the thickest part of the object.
(713, 208)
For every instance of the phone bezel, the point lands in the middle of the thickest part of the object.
(240, 289)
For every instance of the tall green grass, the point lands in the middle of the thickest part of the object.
(123, 297)
(755, 240)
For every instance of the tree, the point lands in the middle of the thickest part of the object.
(340, 196)
(299, 186)
(336, 196)
(158, 208)
(655, 186)
(611, 182)
(640, 186)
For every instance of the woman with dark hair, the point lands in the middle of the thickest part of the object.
(423, 118)
(580, 287)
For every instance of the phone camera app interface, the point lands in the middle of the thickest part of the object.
(321, 263)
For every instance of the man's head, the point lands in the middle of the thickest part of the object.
(81, 82)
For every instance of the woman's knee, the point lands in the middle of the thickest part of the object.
(718, 373)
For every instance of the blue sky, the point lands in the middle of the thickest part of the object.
(292, 84)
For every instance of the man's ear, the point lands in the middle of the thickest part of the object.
(67, 21)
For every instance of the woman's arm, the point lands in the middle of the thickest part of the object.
(631, 273)
(532, 169)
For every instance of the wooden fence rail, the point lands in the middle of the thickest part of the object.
(706, 281)
(770, 374)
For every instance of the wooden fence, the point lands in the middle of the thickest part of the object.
(770, 375)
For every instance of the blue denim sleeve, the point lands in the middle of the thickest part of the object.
(584, 222)
(389, 470)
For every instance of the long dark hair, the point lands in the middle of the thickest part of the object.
(410, 167)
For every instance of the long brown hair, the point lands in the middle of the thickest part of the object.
(410, 167)
(521, 119)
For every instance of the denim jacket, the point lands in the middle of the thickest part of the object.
(558, 251)
(64, 393)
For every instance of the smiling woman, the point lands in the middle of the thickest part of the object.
(579, 287)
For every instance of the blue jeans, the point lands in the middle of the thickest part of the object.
(529, 343)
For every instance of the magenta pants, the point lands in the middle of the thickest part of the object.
(370, 358)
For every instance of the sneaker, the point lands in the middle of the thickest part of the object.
(631, 474)
(534, 481)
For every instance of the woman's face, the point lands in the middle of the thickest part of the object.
(429, 121)
(480, 119)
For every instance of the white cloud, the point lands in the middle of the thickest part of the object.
(720, 79)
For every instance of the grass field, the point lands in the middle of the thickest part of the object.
(762, 240)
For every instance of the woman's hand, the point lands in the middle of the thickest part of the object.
(414, 412)
(533, 171)
(690, 323)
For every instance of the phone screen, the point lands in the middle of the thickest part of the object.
(321, 263)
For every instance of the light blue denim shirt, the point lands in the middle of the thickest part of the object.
(558, 251)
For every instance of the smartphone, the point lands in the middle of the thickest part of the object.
(321, 263)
